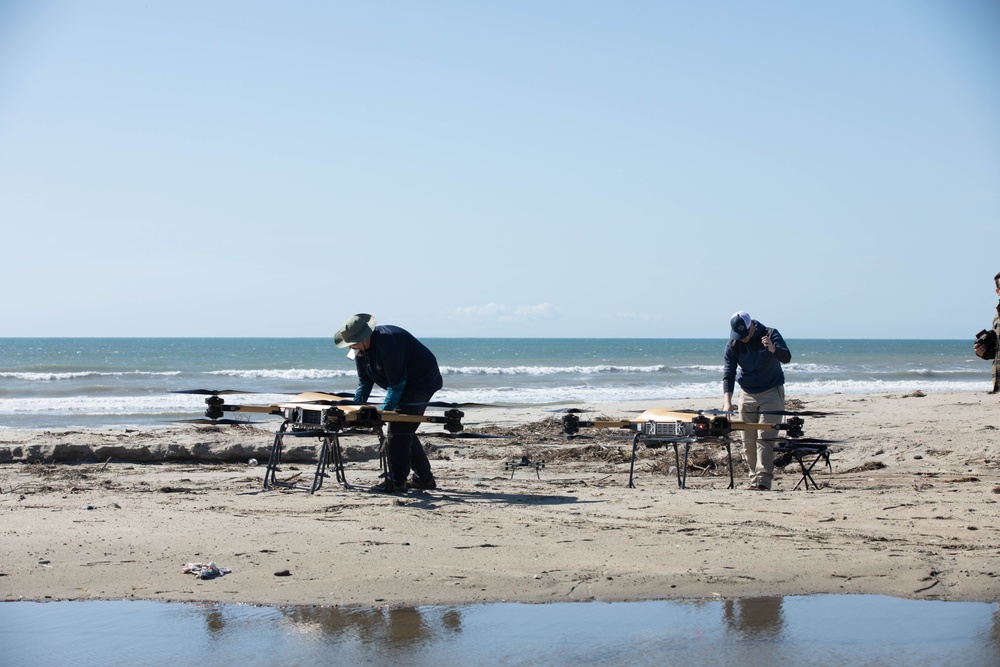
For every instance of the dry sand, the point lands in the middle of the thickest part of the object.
(910, 509)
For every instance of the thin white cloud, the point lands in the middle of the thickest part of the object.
(503, 313)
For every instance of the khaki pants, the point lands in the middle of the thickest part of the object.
(759, 451)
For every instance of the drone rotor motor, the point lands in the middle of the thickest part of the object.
(453, 423)
(571, 424)
(794, 427)
(214, 410)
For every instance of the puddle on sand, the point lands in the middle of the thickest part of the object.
(827, 630)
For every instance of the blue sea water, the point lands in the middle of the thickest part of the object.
(108, 382)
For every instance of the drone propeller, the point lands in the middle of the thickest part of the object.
(322, 398)
(463, 434)
(214, 422)
(805, 441)
(797, 413)
(211, 392)
(339, 394)
(688, 411)
(325, 401)
(444, 404)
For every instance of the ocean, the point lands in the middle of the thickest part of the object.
(128, 382)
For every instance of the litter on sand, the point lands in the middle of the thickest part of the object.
(206, 570)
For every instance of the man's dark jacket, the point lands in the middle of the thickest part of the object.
(759, 370)
(397, 362)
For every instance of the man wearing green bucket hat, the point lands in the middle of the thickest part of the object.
(390, 357)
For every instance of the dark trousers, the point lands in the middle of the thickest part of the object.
(405, 451)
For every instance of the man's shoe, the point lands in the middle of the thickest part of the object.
(417, 483)
(389, 487)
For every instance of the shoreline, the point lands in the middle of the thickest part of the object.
(909, 510)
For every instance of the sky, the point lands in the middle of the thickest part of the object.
(541, 168)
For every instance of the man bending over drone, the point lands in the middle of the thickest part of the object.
(758, 353)
(393, 359)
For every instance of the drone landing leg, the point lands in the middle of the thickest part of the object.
(335, 457)
(322, 461)
(385, 462)
(274, 460)
(631, 469)
(807, 470)
(729, 455)
(330, 454)
(677, 466)
(687, 448)
(338, 462)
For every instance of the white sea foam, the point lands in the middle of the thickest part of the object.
(879, 386)
(286, 374)
(76, 375)
(817, 369)
(101, 405)
(936, 371)
(547, 370)
(612, 394)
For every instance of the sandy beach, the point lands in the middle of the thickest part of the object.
(909, 509)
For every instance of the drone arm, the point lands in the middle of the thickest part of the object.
(608, 423)
(216, 408)
(572, 424)
(744, 426)
(793, 426)
(452, 419)
(400, 418)
(263, 409)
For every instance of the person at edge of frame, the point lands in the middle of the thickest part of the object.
(757, 353)
(996, 333)
(393, 359)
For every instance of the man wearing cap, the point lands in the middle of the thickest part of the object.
(981, 346)
(758, 353)
(393, 359)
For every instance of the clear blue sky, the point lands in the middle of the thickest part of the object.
(543, 168)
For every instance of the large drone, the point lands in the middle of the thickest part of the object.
(660, 426)
(327, 417)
